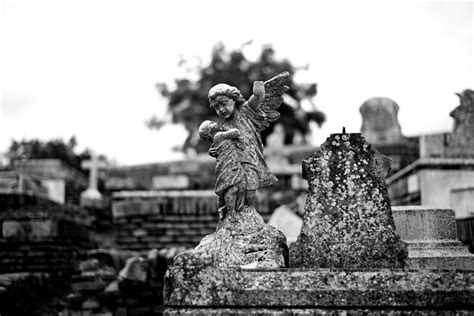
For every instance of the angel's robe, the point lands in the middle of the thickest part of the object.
(250, 123)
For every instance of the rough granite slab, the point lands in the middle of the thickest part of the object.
(318, 288)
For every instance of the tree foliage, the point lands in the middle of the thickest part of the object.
(188, 103)
(51, 149)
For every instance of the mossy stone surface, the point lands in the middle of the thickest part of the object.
(348, 221)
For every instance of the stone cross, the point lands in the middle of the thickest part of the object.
(94, 164)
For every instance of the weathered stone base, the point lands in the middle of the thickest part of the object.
(431, 237)
(307, 312)
(313, 289)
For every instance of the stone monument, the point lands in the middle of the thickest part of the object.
(348, 258)
(92, 194)
(462, 137)
(348, 221)
(380, 121)
(242, 238)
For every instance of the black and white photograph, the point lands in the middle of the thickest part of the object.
(216, 158)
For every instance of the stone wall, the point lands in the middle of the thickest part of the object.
(40, 235)
(162, 219)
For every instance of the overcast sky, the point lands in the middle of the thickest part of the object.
(88, 68)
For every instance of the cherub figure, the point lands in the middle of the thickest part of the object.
(230, 184)
(249, 118)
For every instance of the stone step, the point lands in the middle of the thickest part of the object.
(439, 254)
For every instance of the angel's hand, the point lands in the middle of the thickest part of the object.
(259, 89)
(258, 96)
(233, 133)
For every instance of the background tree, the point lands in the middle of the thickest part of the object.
(51, 149)
(188, 103)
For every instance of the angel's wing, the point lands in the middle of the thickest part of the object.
(274, 90)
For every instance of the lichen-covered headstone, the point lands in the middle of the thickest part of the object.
(348, 221)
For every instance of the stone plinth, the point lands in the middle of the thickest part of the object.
(309, 290)
(348, 221)
(431, 237)
(424, 223)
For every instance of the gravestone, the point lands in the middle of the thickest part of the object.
(380, 121)
(92, 194)
(348, 221)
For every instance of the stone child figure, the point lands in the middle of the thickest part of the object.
(249, 118)
(230, 186)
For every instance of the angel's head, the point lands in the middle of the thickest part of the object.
(208, 129)
(225, 99)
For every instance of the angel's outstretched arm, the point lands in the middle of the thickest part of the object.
(258, 96)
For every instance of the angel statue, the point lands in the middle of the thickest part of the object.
(236, 141)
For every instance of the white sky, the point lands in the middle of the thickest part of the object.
(88, 68)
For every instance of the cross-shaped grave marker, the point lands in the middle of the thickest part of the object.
(94, 164)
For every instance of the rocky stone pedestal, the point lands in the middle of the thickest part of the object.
(242, 239)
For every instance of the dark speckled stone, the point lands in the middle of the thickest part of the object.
(348, 221)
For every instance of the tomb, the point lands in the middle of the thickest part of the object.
(338, 264)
